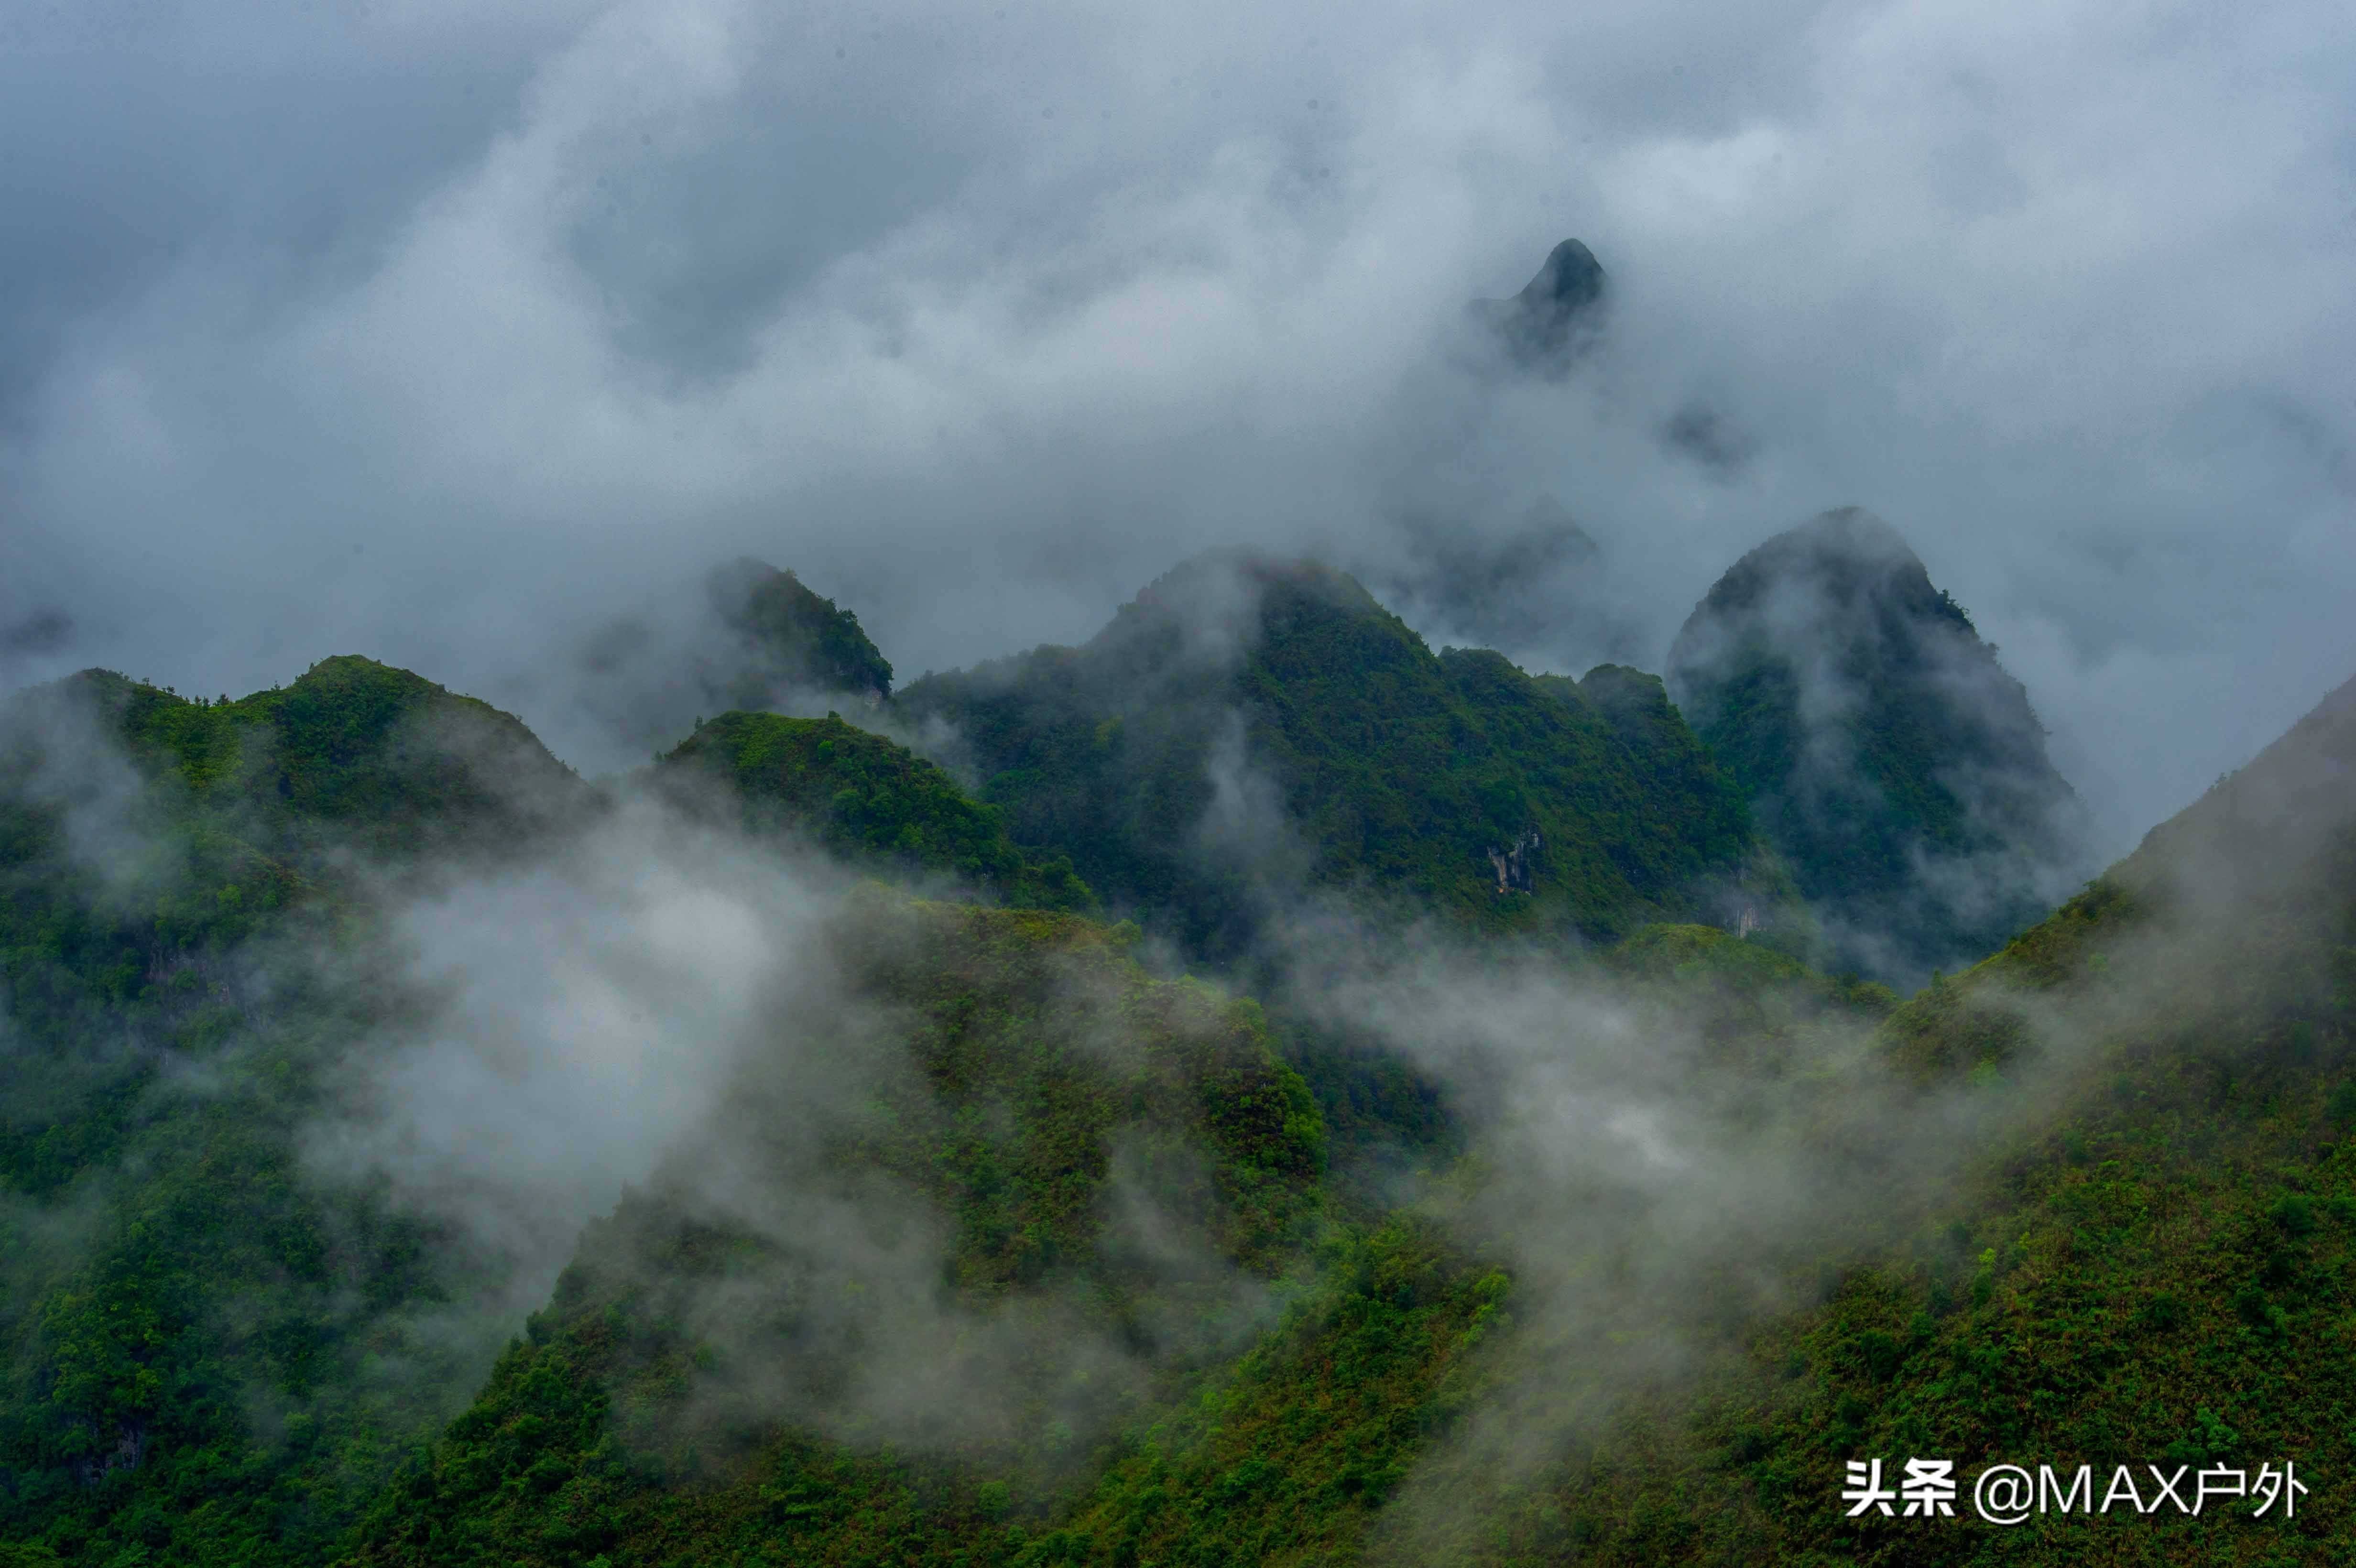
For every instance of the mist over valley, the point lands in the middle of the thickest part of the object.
(1023, 787)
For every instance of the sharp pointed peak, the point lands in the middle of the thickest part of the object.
(1570, 278)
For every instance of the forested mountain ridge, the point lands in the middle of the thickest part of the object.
(1887, 754)
(994, 1240)
(195, 1331)
(1249, 724)
(222, 1350)
(1283, 1445)
(2152, 1267)
(1105, 1215)
(788, 638)
(866, 798)
(352, 748)
(742, 636)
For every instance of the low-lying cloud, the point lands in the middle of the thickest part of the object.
(571, 1023)
(1661, 1184)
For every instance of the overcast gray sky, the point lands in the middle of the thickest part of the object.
(441, 332)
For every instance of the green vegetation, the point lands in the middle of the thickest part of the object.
(1894, 764)
(1289, 1457)
(862, 796)
(1744, 990)
(354, 755)
(1008, 1245)
(210, 1354)
(788, 638)
(1039, 1063)
(2157, 1267)
(597, 1436)
(1247, 721)
(205, 1353)
(235, 1375)
(1686, 790)
(1284, 1456)
(2159, 1276)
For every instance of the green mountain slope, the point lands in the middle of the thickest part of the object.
(202, 1351)
(1285, 1456)
(1001, 1248)
(742, 636)
(147, 839)
(866, 798)
(786, 637)
(217, 1384)
(2153, 1268)
(1886, 754)
(208, 1353)
(1111, 1162)
(1247, 725)
(1287, 1452)
(354, 753)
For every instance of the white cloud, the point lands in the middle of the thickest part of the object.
(983, 319)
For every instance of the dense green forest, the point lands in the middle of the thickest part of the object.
(1246, 725)
(784, 637)
(1552, 1203)
(870, 800)
(1894, 764)
(2153, 1269)
(206, 1352)
(209, 1351)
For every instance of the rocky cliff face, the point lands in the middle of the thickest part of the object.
(1515, 864)
(1890, 758)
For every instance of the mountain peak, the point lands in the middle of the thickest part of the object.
(1838, 559)
(788, 636)
(1549, 322)
(1209, 610)
(1571, 280)
(1252, 727)
(1892, 761)
(1850, 532)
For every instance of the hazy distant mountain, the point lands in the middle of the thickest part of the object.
(1517, 588)
(1249, 724)
(748, 636)
(1548, 324)
(1887, 754)
(787, 638)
